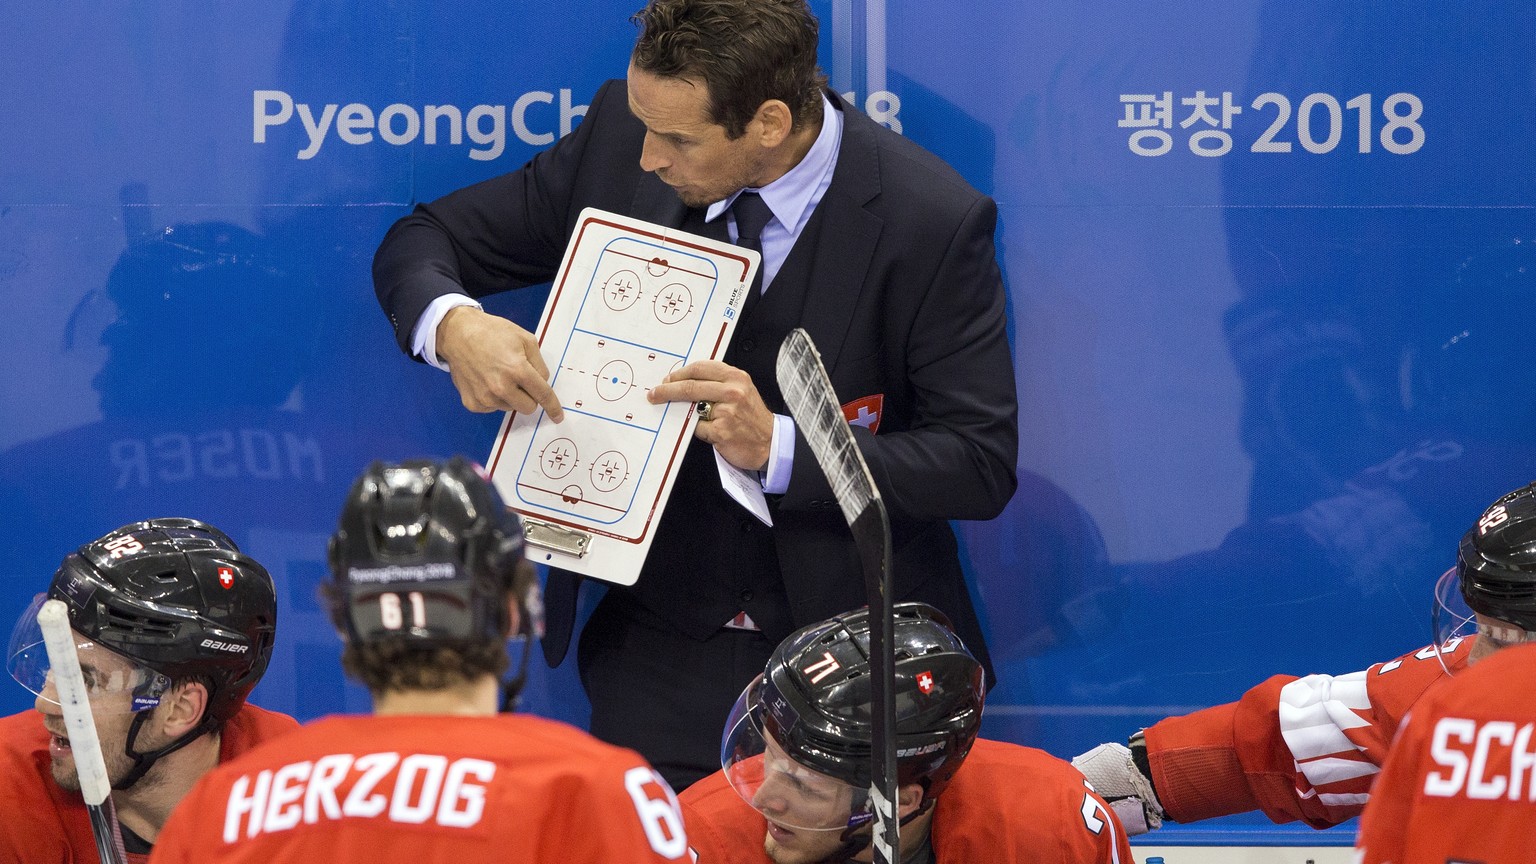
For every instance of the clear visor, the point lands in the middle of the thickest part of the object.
(114, 684)
(1453, 618)
(787, 793)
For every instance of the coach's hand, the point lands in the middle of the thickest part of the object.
(740, 426)
(495, 364)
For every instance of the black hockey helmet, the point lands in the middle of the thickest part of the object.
(426, 550)
(812, 705)
(1494, 578)
(1496, 562)
(176, 596)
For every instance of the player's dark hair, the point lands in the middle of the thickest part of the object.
(745, 51)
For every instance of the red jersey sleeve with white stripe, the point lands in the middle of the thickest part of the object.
(429, 789)
(1460, 782)
(1006, 804)
(1295, 748)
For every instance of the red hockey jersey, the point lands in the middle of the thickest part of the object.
(1460, 782)
(426, 789)
(1006, 804)
(43, 824)
(1296, 748)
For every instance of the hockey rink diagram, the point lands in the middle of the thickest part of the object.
(634, 303)
(637, 321)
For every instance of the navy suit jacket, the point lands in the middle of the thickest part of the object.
(896, 280)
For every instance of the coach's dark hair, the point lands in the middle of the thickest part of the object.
(745, 51)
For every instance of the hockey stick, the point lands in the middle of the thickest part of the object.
(813, 403)
(90, 767)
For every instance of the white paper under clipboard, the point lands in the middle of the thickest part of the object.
(632, 301)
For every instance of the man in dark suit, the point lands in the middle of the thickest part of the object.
(872, 244)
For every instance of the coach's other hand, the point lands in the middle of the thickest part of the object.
(740, 426)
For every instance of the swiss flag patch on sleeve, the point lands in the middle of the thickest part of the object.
(865, 411)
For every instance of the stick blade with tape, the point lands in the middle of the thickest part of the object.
(808, 392)
(84, 746)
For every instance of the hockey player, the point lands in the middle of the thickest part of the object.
(1310, 748)
(1460, 782)
(796, 763)
(428, 582)
(174, 626)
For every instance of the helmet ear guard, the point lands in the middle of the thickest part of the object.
(178, 596)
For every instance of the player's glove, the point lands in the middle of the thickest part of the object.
(1122, 779)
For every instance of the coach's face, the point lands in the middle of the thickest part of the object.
(689, 151)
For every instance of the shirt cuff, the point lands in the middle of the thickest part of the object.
(781, 456)
(424, 336)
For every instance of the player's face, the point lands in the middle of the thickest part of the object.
(792, 795)
(684, 147)
(111, 710)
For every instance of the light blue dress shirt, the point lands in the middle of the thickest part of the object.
(792, 198)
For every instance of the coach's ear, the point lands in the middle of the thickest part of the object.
(772, 123)
(182, 708)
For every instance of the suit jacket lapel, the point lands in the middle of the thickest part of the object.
(840, 272)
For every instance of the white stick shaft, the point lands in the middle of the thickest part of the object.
(64, 662)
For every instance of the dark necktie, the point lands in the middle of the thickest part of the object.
(751, 214)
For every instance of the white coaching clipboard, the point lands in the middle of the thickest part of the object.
(632, 301)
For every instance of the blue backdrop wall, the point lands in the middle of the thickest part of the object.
(1269, 266)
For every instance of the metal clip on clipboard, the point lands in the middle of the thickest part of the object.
(555, 538)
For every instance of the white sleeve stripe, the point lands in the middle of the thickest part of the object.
(1315, 741)
(1341, 800)
(1320, 772)
(1314, 712)
(1349, 690)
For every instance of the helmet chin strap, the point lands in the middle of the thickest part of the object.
(858, 835)
(512, 688)
(142, 762)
